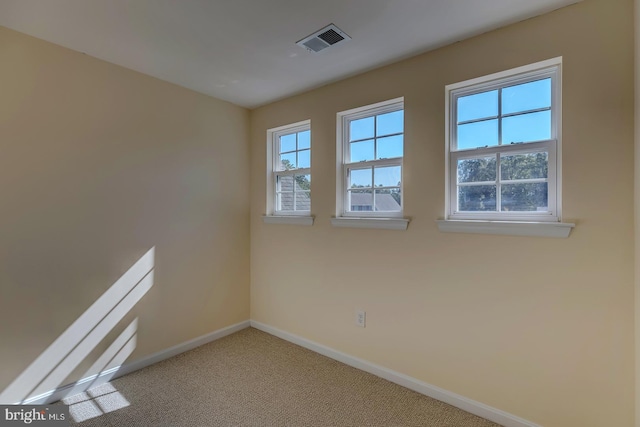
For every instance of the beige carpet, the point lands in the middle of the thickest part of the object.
(251, 378)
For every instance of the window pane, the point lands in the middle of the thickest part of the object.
(361, 151)
(285, 201)
(390, 147)
(524, 166)
(303, 182)
(527, 96)
(285, 183)
(303, 201)
(390, 123)
(480, 134)
(304, 159)
(478, 106)
(304, 139)
(361, 200)
(388, 176)
(477, 198)
(477, 170)
(288, 161)
(288, 142)
(524, 197)
(361, 129)
(526, 127)
(388, 200)
(360, 178)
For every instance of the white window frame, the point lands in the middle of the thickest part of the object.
(370, 219)
(551, 68)
(273, 214)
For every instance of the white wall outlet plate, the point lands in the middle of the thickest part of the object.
(361, 318)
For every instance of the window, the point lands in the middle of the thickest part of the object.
(370, 153)
(503, 146)
(289, 170)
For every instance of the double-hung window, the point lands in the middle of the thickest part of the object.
(503, 146)
(370, 154)
(289, 175)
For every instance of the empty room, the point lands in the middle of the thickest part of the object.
(339, 213)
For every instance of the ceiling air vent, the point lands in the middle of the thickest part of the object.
(324, 38)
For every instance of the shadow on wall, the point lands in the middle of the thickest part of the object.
(39, 381)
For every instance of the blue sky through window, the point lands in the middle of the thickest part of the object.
(304, 159)
(387, 176)
(289, 159)
(304, 139)
(295, 150)
(527, 96)
(371, 133)
(361, 129)
(390, 123)
(478, 106)
(527, 127)
(390, 147)
(482, 108)
(478, 134)
(384, 176)
(288, 143)
(361, 151)
(361, 178)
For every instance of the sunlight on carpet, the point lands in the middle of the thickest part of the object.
(95, 402)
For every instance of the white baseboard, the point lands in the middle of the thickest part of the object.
(105, 376)
(476, 408)
(469, 405)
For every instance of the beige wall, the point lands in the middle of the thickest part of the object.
(637, 205)
(98, 164)
(539, 327)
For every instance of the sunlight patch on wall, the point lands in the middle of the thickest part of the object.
(70, 349)
(117, 353)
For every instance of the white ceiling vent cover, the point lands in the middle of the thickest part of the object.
(324, 38)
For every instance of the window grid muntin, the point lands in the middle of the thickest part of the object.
(343, 147)
(499, 182)
(294, 192)
(365, 164)
(374, 138)
(552, 214)
(278, 164)
(527, 148)
(278, 172)
(347, 169)
(372, 188)
(551, 73)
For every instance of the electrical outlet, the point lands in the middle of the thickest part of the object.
(361, 318)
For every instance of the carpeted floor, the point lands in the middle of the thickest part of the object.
(251, 378)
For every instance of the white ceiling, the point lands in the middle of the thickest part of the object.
(244, 51)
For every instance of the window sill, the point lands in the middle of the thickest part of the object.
(381, 223)
(288, 219)
(537, 229)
